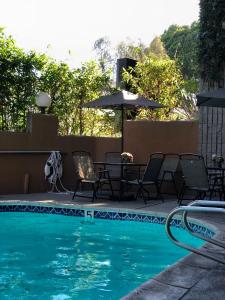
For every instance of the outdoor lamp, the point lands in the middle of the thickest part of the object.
(43, 100)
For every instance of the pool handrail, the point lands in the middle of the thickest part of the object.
(202, 206)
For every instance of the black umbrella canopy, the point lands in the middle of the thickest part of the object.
(213, 98)
(122, 100)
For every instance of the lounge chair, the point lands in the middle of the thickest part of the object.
(168, 170)
(195, 176)
(150, 177)
(86, 174)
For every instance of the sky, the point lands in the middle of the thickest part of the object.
(67, 30)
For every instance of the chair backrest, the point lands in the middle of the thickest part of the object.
(190, 156)
(194, 171)
(170, 164)
(113, 157)
(83, 163)
(153, 167)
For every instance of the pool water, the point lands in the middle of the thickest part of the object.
(58, 257)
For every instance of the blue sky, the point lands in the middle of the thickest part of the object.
(75, 25)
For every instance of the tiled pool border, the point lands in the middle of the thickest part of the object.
(101, 214)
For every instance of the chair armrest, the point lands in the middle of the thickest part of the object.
(131, 173)
(103, 172)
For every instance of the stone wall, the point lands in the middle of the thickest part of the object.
(23, 155)
(145, 137)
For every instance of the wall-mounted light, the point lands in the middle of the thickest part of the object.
(43, 100)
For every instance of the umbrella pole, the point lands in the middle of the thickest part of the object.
(122, 127)
(121, 167)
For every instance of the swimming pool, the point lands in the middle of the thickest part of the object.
(54, 255)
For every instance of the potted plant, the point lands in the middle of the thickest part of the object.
(217, 160)
(127, 157)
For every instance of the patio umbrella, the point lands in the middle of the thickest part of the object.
(213, 98)
(122, 100)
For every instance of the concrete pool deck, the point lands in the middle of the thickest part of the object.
(191, 278)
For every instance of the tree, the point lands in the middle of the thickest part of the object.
(58, 80)
(212, 46)
(69, 90)
(24, 74)
(182, 44)
(157, 48)
(130, 49)
(90, 84)
(187, 109)
(18, 83)
(159, 80)
(102, 47)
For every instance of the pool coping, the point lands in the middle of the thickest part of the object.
(187, 278)
(177, 281)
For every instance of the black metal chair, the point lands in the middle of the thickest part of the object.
(216, 177)
(195, 176)
(168, 170)
(150, 177)
(86, 174)
(114, 171)
(191, 156)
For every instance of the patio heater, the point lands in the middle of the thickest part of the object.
(121, 65)
(123, 100)
(43, 101)
(124, 63)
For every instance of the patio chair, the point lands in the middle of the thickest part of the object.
(168, 170)
(195, 176)
(190, 156)
(86, 174)
(150, 177)
(114, 171)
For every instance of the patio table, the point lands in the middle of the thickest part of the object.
(216, 180)
(122, 166)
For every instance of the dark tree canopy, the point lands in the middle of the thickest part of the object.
(182, 44)
(212, 37)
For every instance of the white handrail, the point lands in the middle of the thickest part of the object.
(196, 206)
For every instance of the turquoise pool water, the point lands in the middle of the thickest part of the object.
(58, 257)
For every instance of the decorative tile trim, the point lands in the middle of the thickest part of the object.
(101, 214)
(43, 210)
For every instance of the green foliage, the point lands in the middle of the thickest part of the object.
(102, 47)
(157, 48)
(212, 36)
(191, 86)
(89, 84)
(182, 44)
(24, 74)
(159, 80)
(58, 80)
(69, 90)
(187, 109)
(130, 49)
(18, 80)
